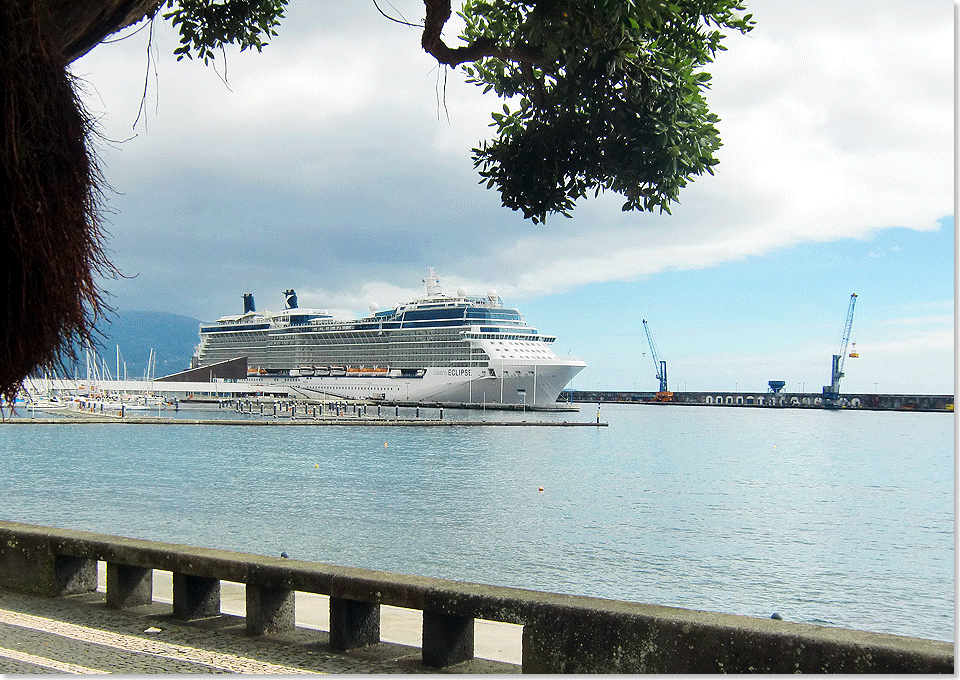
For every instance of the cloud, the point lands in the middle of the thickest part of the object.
(338, 160)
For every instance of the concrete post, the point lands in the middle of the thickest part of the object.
(25, 564)
(270, 610)
(28, 564)
(73, 575)
(128, 586)
(195, 597)
(353, 624)
(447, 640)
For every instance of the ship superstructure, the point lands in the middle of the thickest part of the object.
(449, 348)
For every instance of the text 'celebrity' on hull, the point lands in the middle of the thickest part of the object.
(456, 349)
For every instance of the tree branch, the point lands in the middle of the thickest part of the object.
(437, 14)
(394, 19)
(81, 26)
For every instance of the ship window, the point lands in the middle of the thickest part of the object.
(432, 314)
(503, 314)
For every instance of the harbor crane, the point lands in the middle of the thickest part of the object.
(664, 394)
(832, 391)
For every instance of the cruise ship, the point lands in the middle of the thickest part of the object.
(457, 349)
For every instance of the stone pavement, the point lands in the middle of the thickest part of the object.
(79, 634)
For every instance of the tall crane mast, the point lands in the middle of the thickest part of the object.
(833, 389)
(660, 365)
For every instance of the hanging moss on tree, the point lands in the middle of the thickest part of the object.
(51, 243)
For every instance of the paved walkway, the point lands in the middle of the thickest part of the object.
(79, 634)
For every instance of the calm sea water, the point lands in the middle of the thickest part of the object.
(836, 518)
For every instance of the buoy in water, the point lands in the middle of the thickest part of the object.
(316, 465)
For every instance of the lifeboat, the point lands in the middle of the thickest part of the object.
(366, 371)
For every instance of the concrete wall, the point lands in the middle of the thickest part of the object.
(561, 634)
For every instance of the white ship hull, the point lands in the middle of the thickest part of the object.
(530, 384)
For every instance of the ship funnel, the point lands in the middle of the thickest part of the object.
(291, 298)
(248, 304)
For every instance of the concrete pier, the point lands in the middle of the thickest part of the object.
(98, 418)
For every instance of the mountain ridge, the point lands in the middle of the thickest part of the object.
(172, 337)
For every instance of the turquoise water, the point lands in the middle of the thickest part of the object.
(838, 518)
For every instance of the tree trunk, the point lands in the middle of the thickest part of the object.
(77, 26)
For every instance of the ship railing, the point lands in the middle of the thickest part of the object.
(561, 633)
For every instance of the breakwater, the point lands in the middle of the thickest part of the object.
(805, 400)
(561, 633)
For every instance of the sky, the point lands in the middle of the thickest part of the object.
(337, 162)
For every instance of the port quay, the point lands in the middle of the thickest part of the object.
(235, 392)
(58, 612)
